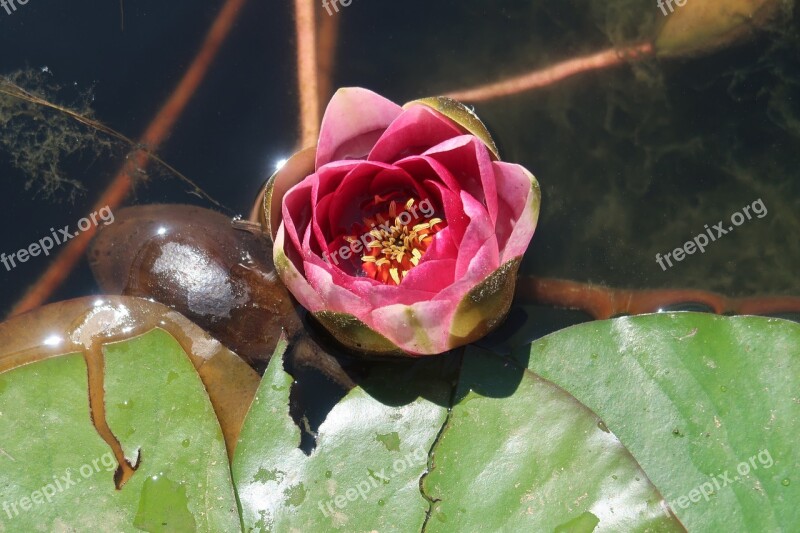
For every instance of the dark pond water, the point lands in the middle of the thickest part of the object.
(633, 161)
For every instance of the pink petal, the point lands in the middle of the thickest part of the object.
(430, 276)
(416, 130)
(291, 276)
(478, 249)
(354, 190)
(328, 179)
(425, 168)
(456, 292)
(332, 174)
(454, 215)
(353, 122)
(470, 162)
(439, 183)
(380, 295)
(334, 296)
(420, 329)
(400, 181)
(297, 211)
(517, 187)
(320, 224)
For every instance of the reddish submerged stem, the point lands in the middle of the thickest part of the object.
(603, 302)
(555, 73)
(154, 135)
(327, 38)
(307, 73)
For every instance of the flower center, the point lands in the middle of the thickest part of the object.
(397, 240)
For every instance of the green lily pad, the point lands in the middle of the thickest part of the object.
(632, 424)
(520, 454)
(515, 454)
(85, 324)
(364, 473)
(58, 474)
(164, 420)
(709, 406)
(47, 449)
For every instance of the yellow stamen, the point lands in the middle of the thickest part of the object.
(397, 248)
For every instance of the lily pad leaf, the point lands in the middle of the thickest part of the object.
(515, 453)
(709, 406)
(59, 465)
(520, 454)
(365, 471)
(165, 421)
(51, 457)
(86, 324)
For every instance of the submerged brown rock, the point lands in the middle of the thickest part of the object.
(195, 261)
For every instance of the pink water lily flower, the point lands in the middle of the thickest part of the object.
(402, 232)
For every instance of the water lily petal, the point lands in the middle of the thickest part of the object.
(422, 328)
(356, 335)
(469, 160)
(354, 119)
(403, 181)
(291, 276)
(380, 295)
(438, 182)
(355, 190)
(462, 313)
(425, 168)
(416, 130)
(520, 190)
(430, 276)
(478, 249)
(462, 115)
(332, 174)
(327, 180)
(297, 211)
(320, 223)
(442, 247)
(335, 297)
